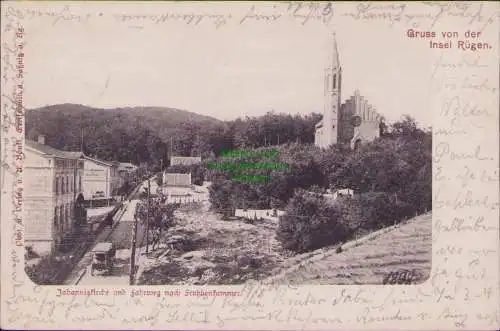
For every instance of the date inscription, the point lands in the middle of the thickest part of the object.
(400, 277)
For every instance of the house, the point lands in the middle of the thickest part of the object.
(185, 160)
(53, 201)
(177, 179)
(339, 193)
(99, 178)
(335, 194)
(126, 168)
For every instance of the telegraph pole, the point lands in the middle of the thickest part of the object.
(171, 148)
(132, 257)
(81, 140)
(147, 218)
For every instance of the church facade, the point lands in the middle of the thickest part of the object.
(353, 122)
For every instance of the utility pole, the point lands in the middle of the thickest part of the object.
(171, 148)
(147, 218)
(132, 257)
(81, 140)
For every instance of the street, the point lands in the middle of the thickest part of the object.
(121, 237)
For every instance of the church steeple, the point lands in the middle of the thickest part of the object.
(333, 82)
(334, 55)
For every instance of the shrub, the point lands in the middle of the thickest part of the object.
(310, 223)
(48, 271)
(404, 210)
(30, 253)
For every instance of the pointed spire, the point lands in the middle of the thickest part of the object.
(335, 62)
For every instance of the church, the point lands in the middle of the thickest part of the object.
(351, 123)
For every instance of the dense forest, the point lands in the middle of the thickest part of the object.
(151, 134)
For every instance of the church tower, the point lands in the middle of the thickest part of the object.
(333, 84)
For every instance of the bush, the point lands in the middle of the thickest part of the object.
(310, 223)
(404, 210)
(30, 253)
(48, 271)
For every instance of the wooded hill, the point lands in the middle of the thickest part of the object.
(145, 134)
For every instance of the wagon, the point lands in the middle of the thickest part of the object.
(103, 256)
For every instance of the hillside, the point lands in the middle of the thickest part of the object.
(123, 134)
(406, 246)
(202, 248)
(146, 134)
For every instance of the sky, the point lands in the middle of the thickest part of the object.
(227, 72)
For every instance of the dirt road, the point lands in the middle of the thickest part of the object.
(121, 237)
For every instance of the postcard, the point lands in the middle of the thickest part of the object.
(278, 165)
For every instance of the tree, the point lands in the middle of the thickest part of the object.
(161, 217)
(309, 223)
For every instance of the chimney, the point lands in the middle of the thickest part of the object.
(41, 139)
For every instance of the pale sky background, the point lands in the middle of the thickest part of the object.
(232, 71)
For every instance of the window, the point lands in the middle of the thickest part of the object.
(56, 215)
(57, 185)
(67, 184)
(61, 218)
(334, 81)
(80, 184)
(66, 218)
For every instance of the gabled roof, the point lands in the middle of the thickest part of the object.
(103, 247)
(106, 163)
(47, 150)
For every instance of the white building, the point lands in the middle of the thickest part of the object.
(185, 160)
(52, 194)
(126, 168)
(177, 179)
(99, 178)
